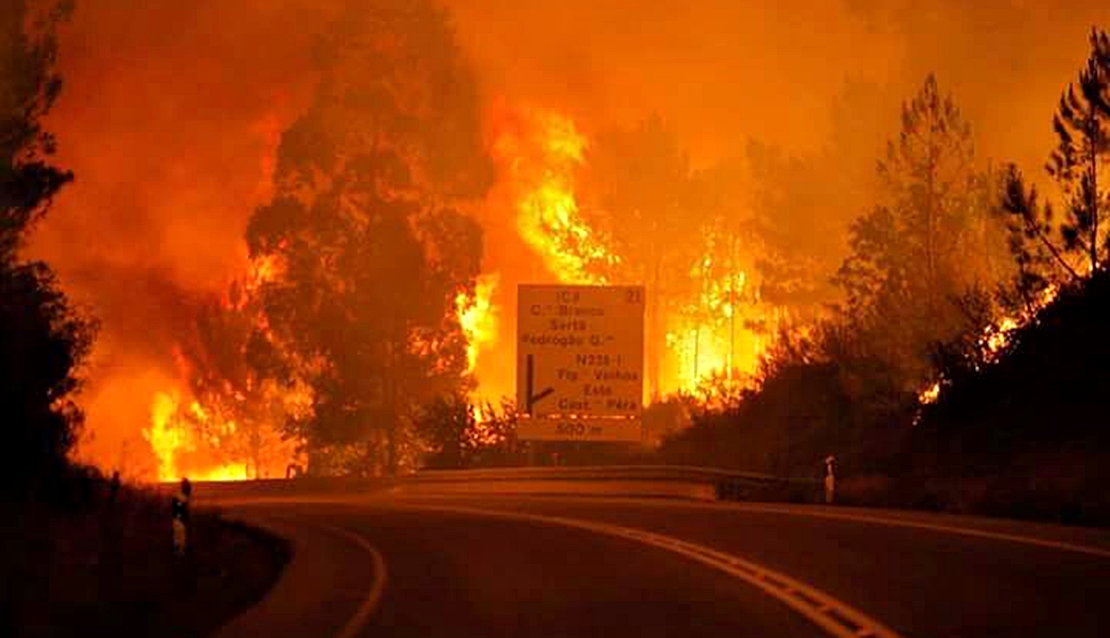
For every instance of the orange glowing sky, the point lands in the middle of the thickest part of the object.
(172, 111)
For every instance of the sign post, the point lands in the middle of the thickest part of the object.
(580, 359)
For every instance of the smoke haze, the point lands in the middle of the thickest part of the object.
(172, 113)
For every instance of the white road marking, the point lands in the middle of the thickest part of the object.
(369, 605)
(837, 618)
(874, 519)
(806, 510)
(935, 527)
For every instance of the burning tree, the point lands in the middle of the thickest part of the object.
(643, 197)
(688, 236)
(238, 405)
(1082, 126)
(371, 253)
(541, 152)
(913, 257)
(1049, 256)
(794, 256)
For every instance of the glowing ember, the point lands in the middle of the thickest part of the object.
(997, 337)
(483, 434)
(929, 395)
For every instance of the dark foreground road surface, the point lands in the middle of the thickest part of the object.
(422, 565)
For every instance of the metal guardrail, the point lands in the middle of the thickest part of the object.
(674, 479)
(596, 472)
(727, 484)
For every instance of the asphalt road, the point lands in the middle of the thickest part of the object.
(487, 565)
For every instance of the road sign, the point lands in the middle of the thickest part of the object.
(580, 359)
(581, 429)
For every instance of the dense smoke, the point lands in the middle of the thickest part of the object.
(172, 115)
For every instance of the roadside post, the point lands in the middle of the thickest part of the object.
(830, 479)
(113, 488)
(179, 512)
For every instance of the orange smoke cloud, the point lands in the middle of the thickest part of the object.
(172, 113)
(170, 117)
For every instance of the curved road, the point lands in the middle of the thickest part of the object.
(485, 565)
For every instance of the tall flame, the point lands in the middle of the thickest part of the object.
(541, 155)
(224, 432)
(712, 338)
(478, 318)
(706, 331)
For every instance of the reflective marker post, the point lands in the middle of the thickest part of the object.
(830, 479)
(179, 512)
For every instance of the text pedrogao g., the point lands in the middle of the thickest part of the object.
(580, 350)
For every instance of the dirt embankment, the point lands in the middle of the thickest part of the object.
(91, 565)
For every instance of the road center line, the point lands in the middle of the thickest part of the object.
(369, 605)
(837, 618)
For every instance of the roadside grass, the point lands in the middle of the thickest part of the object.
(88, 565)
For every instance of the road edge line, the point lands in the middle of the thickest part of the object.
(373, 597)
(936, 527)
(836, 617)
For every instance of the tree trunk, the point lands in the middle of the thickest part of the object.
(654, 339)
(1093, 204)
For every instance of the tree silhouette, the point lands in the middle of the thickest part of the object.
(1051, 251)
(1042, 262)
(370, 252)
(1082, 125)
(914, 255)
(641, 195)
(42, 339)
(449, 425)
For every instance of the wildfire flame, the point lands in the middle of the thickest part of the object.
(706, 334)
(191, 440)
(478, 318)
(929, 395)
(234, 436)
(712, 340)
(996, 338)
(540, 155)
(173, 441)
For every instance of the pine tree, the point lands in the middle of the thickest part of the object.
(914, 255)
(1082, 125)
(1051, 251)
